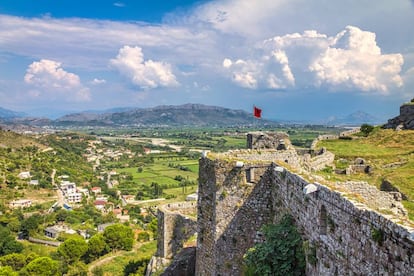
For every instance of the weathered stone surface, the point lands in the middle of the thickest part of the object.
(174, 227)
(183, 263)
(405, 120)
(268, 140)
(348, 237)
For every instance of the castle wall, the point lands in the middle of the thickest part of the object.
(342, 237)
(174, 227)
(231, 210)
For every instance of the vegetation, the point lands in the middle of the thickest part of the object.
(280, 254)
(366, 129)
(390, 154)
(166, 174)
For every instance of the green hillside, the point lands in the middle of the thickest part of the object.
(390, 153)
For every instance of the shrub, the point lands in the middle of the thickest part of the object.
(281, 253)
(366, 129)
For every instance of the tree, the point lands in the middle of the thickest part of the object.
(153, 227)
(77, 269)
(280, 254)
(96, 247)
(44, 266)
(143, 236)
(366, 129)
(30, 225)
(7, 271)
(15, 260)
(136, 267)
(14, 224)
(8, 243)
(119, 236)
(72, 250)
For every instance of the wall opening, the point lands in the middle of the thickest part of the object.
(323, 221)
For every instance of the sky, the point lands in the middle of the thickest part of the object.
(295, 59)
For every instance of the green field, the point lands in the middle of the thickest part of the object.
(163, 171)
(390, 153)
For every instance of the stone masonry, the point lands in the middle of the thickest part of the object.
(405, 120)
(344, 232)
(175, 226)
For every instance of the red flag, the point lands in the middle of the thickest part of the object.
(257, 112)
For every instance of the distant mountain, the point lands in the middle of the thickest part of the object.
(10, 114)
(356, 118)
(166, 115)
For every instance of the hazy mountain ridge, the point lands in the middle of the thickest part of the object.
(10, 114)
(356, 118)
(171, 115)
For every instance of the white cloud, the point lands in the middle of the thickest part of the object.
(351, 60)
(119, 4)
(354, 61)
(98, 81)
(143, 73)
(50, 77)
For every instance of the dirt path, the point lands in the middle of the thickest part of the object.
(102, 261)
(109, 258)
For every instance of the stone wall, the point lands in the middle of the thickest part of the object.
(175, 227)
(343, 237)
(405, 120)
(230, 212)
(268, 140)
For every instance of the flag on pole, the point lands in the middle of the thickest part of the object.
(257, 112)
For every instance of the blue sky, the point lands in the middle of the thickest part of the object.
(296, 59)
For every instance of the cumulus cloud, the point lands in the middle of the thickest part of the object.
(354, 61)
(50, 77)
(351, 60)
(143, 73)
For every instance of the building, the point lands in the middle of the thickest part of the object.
(74, 197)
(24, 175)
(96, 190)
(20, 203)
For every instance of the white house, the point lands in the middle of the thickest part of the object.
(24, 175)
(20, 203)
(74, 197)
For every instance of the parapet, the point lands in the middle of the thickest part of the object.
(268, 140)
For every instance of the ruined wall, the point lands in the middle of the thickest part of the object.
(230, 211)
(268, 140)
(342, 237)
(405, 120)
(175, 226)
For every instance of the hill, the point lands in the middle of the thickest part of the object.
(10, 114)
(167, 115)
(389, 153)
(356, 118)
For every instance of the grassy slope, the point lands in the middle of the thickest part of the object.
(381, 149)
(9, 139)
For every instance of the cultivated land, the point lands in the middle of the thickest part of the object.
(156, 167)
(390, 153)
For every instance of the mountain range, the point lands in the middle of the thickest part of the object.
(167, 115)
(356, 118)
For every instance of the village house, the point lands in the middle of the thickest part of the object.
(96, 190)
(20, 203)
(34, 182)
(24, 175)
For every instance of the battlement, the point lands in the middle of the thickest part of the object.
(347, 237)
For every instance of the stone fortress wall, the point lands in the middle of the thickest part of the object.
(345, 233)
(176, 224)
